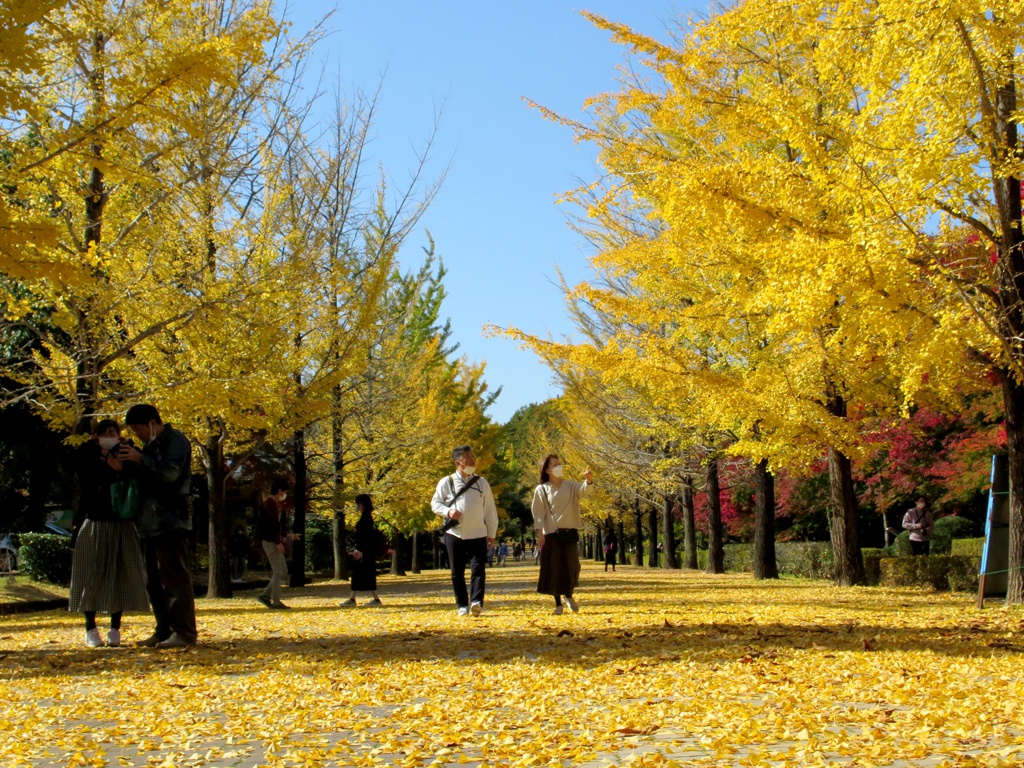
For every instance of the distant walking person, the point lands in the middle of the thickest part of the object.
(611, 548)
(364, 556)
(556, 518)
(920, 523)
(165, 480)
(273, 535)
(108, 574)
(239, 545)
(465, 501)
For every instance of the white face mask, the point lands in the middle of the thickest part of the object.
(109, 443)
(556, 471)
(469, 469)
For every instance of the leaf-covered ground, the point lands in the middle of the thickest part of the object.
(658, 669)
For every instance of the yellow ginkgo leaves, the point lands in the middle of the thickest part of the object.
(659, 668)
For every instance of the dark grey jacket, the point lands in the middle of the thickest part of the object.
(165, 473)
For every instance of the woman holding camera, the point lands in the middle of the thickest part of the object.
(107, 569)
(556, 518)
(364, 556)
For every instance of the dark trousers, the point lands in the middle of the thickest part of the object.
(920, 547)
(169, 583)
(473, 552)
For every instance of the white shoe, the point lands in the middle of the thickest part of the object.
(558, 610)
(573, 605)
(463, 611)
(114, 638)
(93, 639)
(476, 609)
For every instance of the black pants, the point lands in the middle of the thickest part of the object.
(920, 547)
(473, 552)
(609, 559)
(169, 583)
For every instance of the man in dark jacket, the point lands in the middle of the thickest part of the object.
(165, 475)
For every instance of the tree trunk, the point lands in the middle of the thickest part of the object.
(652, 542)
(849, 565)
(415, 552)
(765, 566)
(338, 534)
(716, 555)
(397, 554)
(219, 576)
(96, 197)
(301, 501)
(638, 520)
(599, 544)
(668, 534)
(621, 534)
(1013, 397)
(1010, 281)
(689, 526)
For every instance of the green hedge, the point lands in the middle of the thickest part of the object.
(810, 559)
(968, 547)
(941, 572)
(46, 557)
(813, 559)
(947, 529)
(873, 566)
(738, 558)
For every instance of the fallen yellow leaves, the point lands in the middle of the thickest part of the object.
(659, 669)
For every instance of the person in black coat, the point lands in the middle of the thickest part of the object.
(364, 555)
(611, 547)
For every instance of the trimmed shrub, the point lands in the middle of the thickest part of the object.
(702, 559)
(319, 550)
(900, 547)
(810, 559)
(739, 558)
(968, 547)
(963, 573)
(947, 529)
(939, 572)
(46, 557)
(873, 567)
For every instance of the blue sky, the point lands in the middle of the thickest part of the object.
(495, 222)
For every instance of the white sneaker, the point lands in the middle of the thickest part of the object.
(476, 609)
(114, 638)
(558, 610)
(573, 605)
(93, 639)
(463, 611)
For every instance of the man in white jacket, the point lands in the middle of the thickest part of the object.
(465, 501)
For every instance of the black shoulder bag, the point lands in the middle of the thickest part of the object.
(449, 523)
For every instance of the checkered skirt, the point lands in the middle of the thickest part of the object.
(108, 573)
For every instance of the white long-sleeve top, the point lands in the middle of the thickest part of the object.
(479, 515)
(920, 524)
(555, 508)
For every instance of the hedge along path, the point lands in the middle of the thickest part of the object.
(659, 668)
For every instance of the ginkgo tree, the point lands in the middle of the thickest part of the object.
(766, 275)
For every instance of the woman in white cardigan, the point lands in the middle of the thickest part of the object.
(556, 518)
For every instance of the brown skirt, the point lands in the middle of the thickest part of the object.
(559, 563)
